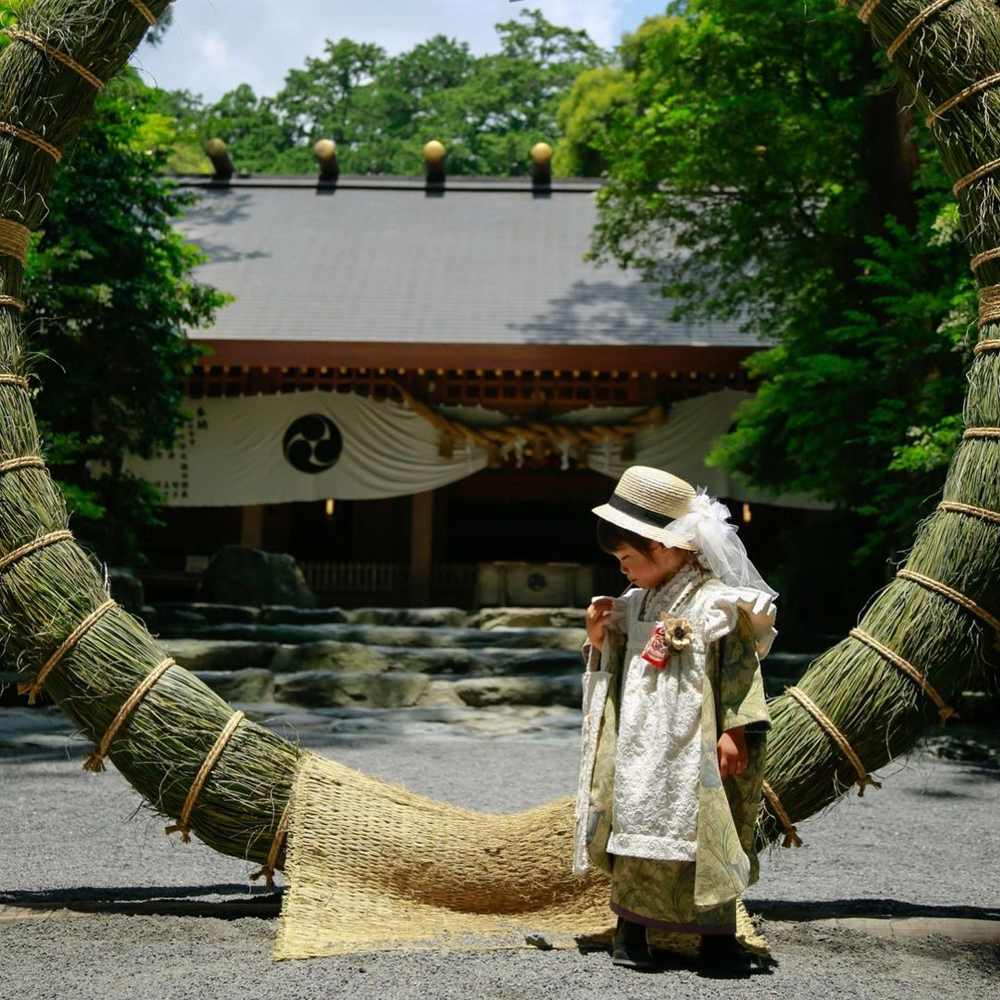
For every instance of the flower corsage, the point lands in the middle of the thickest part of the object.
(670, 635)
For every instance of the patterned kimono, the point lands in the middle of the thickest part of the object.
(675, 837)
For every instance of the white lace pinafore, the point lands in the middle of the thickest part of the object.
(658, 758)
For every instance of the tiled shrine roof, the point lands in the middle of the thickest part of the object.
(382, 260)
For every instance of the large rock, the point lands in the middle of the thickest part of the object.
(421, 617)
(481, 692)
(252, 684)
(205, 654)
(126, 588)
(238, 575)
(285, 615)
(315, 688)
(491, 618)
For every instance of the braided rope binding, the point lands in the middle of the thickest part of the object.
(945, 711)
(183, 825)
(95, 761)
(864, 778)
(957, 596)
(67, 60)
(33, 688)
(34, 546)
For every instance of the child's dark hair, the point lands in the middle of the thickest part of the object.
(611, 538)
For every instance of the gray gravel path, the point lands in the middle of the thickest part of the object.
(927, 843)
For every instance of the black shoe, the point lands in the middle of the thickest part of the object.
(723, 955)
(630, 948)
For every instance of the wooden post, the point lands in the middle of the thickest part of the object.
(252, 527)
(421, 543)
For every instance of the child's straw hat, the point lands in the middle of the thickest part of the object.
(645, 501)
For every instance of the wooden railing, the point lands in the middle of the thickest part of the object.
(450, 582)
(356, 577)
(448, 577)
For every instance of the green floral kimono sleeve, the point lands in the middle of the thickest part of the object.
(740, 692)
(733, 697)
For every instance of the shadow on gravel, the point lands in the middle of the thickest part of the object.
(26, 754)
(173, 900)
(776, 909)
(241, 901)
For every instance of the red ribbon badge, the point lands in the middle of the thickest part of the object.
(656, 651)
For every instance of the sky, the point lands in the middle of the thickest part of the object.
(214, 45)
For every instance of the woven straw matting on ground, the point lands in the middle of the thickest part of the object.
(374, 867)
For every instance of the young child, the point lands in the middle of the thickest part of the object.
(674, 719)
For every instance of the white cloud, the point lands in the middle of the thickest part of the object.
(214, 50)
(216, 44)
(598, 17)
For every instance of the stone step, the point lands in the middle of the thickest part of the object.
(253, 673)
(203, 613)
(400, 689)
(383, 635)
(251, 684)
(412, 617)
(491, 618)
(454, 661)
(205, 655)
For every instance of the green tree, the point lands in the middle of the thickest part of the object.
(511, 99)
(109, 296)
(163, 23)
(332, 96)
(250, 125)
(761, 170)
(380, 110)
(179, 114)
(596, 99)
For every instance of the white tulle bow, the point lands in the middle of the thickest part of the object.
(709, 529)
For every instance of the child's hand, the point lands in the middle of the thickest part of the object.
(733, 754)
(596, 615)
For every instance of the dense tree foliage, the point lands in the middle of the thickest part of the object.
(109, 297)
(488, 110)
(763, 167)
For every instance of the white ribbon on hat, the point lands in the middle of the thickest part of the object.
(709, 529)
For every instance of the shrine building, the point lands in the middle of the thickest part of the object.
(421, 387)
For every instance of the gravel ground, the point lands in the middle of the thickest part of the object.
(111, 957)
(926, 844)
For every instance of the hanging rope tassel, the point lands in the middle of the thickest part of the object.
(792, 838)
(267, 872)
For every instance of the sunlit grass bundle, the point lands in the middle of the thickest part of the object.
(46, 594)
(935, 617)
